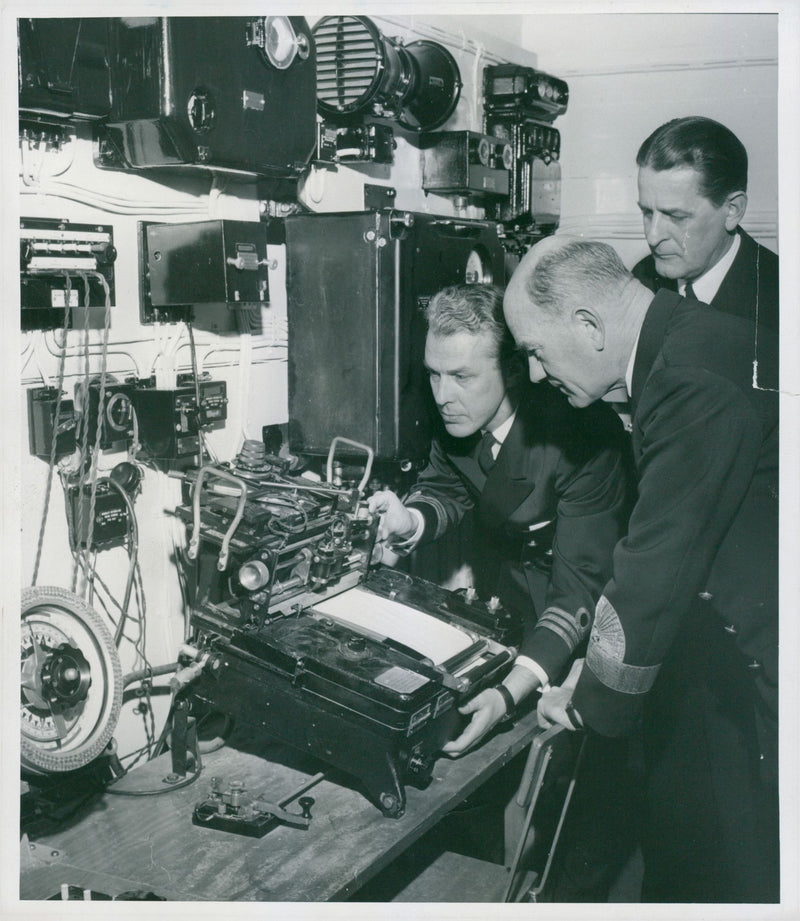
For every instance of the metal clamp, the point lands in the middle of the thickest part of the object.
(194, 543)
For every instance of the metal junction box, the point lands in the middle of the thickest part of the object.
(203, 262)
(357, 284)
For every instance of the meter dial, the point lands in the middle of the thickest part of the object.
(478, 270)
(70, 682)
(119, 412)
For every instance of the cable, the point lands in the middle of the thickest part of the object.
(100, 404)
(52, 459)
(133, 553)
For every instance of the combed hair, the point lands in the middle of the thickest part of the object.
(706, 146)
(579, 272)
(475, 308)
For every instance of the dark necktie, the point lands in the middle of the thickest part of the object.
(485, 455)
(689, 292)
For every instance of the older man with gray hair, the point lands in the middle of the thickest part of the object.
(685, 634)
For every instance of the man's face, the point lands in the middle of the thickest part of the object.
(466, 381)
(558, 350)
(686, 233)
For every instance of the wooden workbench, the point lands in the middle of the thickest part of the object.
(121, 843)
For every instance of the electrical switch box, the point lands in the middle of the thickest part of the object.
(212, 264)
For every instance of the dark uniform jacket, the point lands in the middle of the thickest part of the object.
(749, 289)
(704, 530)
(547, 516)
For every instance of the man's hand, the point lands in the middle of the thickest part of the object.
(397, 522)
(487, 709)
(553, 703)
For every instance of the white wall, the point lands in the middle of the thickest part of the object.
(630, 73)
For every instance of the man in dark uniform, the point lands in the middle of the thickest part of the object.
(693, 197)
(549, 485)
(685, 634)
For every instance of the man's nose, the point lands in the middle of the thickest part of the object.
(441, 391)
(535, 370)
(654, 230)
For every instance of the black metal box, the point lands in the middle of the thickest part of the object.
(466, 162)
(356, 287)
(170, 421)
(206, 262)
(209, 92)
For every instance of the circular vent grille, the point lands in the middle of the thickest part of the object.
(349, 63)
(361, 71)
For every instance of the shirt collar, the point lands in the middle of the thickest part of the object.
(707, 285)
(631, 363)
(501, 432)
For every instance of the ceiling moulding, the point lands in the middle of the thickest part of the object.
(667, 67)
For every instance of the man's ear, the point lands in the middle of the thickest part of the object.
(735, 207)
(591, 326)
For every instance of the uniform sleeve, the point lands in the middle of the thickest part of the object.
(701, 440)
(440, 495)
(594, 502)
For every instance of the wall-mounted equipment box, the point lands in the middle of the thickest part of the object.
(512, 87)
(170, 421)
(43, 425)
(63, 265)
(230, 94)
(466, 163)
(111, 517)
(356, 286)
(204, 263)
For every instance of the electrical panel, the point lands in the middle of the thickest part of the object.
(356, 286)
(210, 264)
(43, 425)
(228, 94)
(170, 421)
(63, 265)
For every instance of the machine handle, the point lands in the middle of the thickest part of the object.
(355, 444)
(194, 543)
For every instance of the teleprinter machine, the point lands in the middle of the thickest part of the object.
(300, 637)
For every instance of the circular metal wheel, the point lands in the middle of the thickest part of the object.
(71, 681)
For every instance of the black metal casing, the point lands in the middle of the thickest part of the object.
(195, 91)
(356, 284)
(376, 710)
